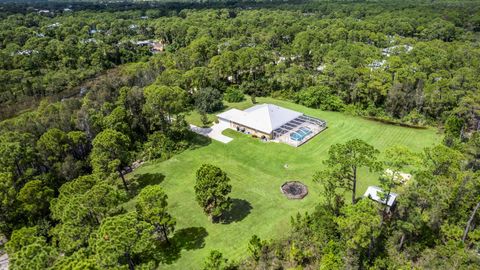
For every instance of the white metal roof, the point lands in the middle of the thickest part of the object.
(263, 117)
(376, 193)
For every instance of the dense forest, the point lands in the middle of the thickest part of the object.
(87, 90)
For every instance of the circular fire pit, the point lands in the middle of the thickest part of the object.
(294, 190)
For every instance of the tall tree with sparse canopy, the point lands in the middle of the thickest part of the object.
(359, 225)
(345, 160)
(211, 190)
(110, 153)
(152, 208)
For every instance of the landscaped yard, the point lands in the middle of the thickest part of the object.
(257, 170)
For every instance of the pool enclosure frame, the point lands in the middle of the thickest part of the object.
(282, 134)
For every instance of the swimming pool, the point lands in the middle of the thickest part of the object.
(300, 134)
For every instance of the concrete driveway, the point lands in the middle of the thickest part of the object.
(214, 132)
(4, 262)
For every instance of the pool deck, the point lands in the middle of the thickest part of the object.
(315, 130)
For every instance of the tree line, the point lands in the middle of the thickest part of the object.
(411, 63)
(63, 164)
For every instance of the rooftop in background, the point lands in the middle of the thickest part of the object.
(263, 117)
(376, 194)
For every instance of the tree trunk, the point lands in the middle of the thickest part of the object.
(402, 240)
(164, 231)
(19, 171)
(131, 266)
(351, 260)
(123, 179)
(94, 217)
(469, 223)
(370, 247)
(459, 192)
(390, 186)
(354, 185)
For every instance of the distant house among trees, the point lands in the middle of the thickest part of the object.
(377, 64)
(155, 46)
(396, 49)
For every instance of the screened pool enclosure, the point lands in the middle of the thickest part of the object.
(299, 130)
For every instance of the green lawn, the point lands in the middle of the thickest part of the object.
(257, 170)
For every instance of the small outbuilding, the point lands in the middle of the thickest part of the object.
(377, 194)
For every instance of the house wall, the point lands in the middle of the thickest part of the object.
(252, 131)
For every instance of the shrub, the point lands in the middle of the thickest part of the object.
(255, 246)
(204, 119)
(320, 97)
(234, 95)
(208, 100)
(158, 146)
(415, 118)
(374, 111)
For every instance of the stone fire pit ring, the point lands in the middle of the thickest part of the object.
(294, 190)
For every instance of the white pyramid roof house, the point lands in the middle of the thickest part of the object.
(263, 117)
(272, 122)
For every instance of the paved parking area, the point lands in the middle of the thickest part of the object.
(214, 132)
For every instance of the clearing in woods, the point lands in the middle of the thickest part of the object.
(257, 170)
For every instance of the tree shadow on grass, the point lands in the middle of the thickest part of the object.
(199, 141)
(139, 181)
(186, 238)
(240, 210)
(190, 238)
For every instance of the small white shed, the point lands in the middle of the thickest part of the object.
(377, 194)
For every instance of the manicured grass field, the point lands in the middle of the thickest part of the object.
(257, 171)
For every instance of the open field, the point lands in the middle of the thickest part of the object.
(257, 171)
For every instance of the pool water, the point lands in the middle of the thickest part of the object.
(300, 134)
